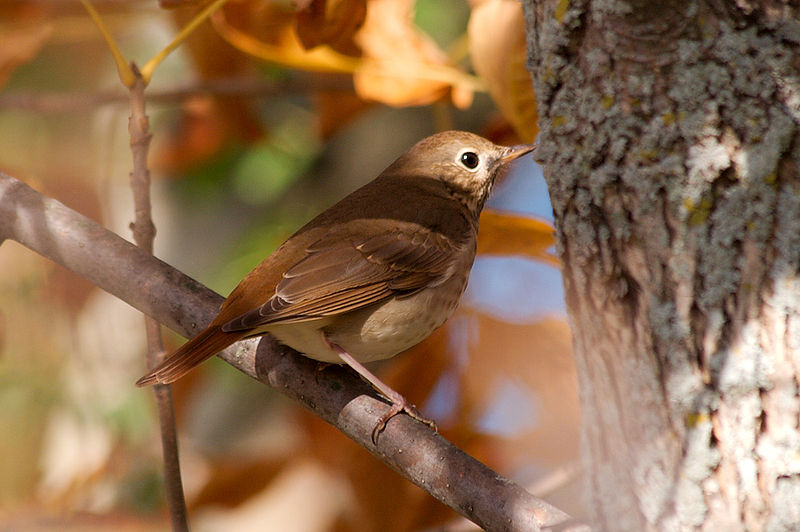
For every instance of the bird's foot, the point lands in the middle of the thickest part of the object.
(399, 403)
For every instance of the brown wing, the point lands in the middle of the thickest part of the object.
(338, 275)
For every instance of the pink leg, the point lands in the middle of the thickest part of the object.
(399, 403)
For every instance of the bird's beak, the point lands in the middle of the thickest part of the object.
(515, 152)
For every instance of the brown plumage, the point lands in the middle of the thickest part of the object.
(374, 274)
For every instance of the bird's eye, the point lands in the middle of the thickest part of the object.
(470, 159)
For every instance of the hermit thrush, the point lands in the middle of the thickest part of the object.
(371, 276)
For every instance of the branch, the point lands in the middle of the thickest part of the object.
(335, 393)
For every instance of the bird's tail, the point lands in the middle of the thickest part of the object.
(205, 345)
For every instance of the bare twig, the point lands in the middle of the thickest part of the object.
(335, 394)
(144, 233)
(144, 230)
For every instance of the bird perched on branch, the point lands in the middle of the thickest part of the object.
(371, 276)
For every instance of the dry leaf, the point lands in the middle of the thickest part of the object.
(511, 234)
(208, 123)
(262, 19)
(499, 57)
(268, 34)
(203, 129)
(331, 22)
(397, 54)
(400, 65)
(18, 46)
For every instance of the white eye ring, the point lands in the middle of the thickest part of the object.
(469, 159)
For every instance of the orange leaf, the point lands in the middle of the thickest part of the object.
(400, 65)
(331, 22)
(499, 59)
(281, 46)
(403, 65)
(511, 234)
(201, 132)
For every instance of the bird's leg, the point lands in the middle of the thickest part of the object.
(399, 403)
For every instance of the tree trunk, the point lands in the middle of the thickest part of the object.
(669, 138)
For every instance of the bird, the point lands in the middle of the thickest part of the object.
(371, 276)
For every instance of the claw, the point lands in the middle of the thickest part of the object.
(396, 408)
(399, 403)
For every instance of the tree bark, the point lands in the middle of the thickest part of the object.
(669, 138)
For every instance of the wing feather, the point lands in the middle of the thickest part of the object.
(338, 275)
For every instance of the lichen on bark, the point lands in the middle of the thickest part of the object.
(669, 138)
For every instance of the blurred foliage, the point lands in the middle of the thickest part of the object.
(266, 115)
(443, 20)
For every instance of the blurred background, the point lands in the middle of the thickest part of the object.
(269, 113)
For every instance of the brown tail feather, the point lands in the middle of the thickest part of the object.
(205, 345)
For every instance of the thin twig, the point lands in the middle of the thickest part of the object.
(144, 233)
(338, 396)
(144, 230)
